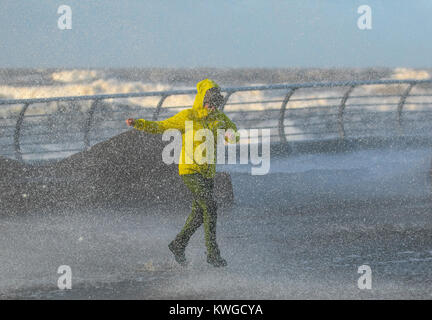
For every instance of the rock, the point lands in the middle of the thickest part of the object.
(125, 169)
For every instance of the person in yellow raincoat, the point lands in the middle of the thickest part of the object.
(198, 175)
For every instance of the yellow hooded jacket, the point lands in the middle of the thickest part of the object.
(201, 119)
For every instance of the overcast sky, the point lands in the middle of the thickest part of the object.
(219, 33)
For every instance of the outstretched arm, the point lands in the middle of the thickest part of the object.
(175, 122)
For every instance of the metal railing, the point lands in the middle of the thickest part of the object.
(336, 126)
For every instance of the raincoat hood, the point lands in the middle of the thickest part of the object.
(198, 107)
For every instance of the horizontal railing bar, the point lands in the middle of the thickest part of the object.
(408, 112)
(388, 104)
(370, 104)
(261, 111)
(329, 98)
(414, 120)
(73, 133)
(119, 130)
(317, 98)
(45, 152)
(67, 113)
(372, 130)
(239, 111)
(261, 120)
(387, 96)
(301, 108)
(51, 133)
(52, 151)
(96, 97)
(229, 89)
(77, 135)
(35, 125)
(49, 143)
(326, 84)
(334, 106)
(309, 133)
(149, 109)
(252, 102)
(339, 97)
(420, 95)
(232, 112)
(101, 140)
(37, 134)
(418, 103)
(384, 112)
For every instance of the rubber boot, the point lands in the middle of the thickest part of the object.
(178, 252)
(215, 259)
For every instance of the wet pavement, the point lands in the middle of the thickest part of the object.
(299, 232)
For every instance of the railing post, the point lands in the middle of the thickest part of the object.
(342, 110)
(401, 103)
(228, 95)
(282, 115)
(17, 132)
(159, 106)
(88, 124)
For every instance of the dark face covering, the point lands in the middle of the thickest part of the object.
(214, 98)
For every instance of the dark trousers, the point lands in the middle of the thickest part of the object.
(204, 210)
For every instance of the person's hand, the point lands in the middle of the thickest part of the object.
(130, 122)
(230, 137)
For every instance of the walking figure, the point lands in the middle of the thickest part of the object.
(197, 175)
